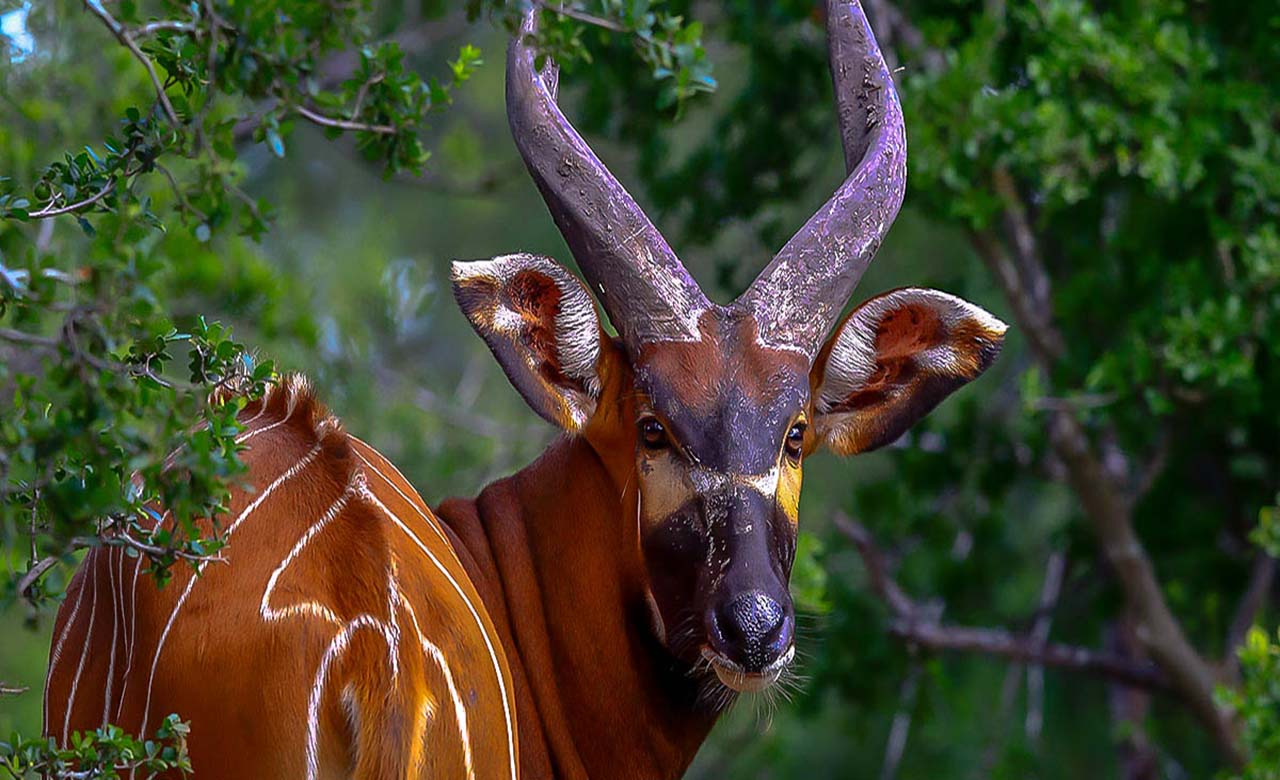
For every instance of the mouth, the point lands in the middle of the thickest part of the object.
(735, 677)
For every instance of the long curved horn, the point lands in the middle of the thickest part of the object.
(799, 296)
(643, 285)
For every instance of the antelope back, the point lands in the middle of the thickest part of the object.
(342, 635)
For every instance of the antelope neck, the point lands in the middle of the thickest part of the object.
(554, 552)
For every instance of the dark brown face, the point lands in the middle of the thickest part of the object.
(725, 399)
(721, 421)
(721, 426)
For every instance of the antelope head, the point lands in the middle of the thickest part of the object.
(705, 413)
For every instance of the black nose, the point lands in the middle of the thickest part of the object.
(751, 629)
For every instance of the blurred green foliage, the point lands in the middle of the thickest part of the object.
(1120, 161)
(1258, 703)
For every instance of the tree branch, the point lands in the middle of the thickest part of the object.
(882, 582)
(1261, 576)
(1039, 635)
(1107, 501)
(151, 28)
(30, 339)
(12, 690)
(37, 571)
(891, 25)
(125, 37)
(1002, 643)
(1154, 623)
(920, 626)
(570, 12)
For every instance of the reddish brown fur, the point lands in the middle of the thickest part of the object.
(726, 355)
(243, 682)
(551, 558)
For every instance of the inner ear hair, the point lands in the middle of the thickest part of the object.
(541, 325)
(893, 359)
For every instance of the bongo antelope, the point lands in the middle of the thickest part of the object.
(592, 614)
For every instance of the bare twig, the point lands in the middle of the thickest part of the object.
(1045, 341)
(12, 690)
(1077, 402)
(343, 124)
(1049, 592)
(1002, 643)
(896, 745)
(1023, 238)
(177, 192)
(882, 581)
(50, 211)
(36, 572)
(161, 552)
(892, 26)
(583, 16)
(1153, 468)
(151, 28)
(1128, 707)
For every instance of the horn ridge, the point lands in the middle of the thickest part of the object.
(800, 294)
(645, 289)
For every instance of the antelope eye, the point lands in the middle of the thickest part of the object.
(795, 441)
(652, 434)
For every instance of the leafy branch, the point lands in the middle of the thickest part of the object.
(105, 753)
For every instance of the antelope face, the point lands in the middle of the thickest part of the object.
(720, 422)
(721, 403)
(721, 425)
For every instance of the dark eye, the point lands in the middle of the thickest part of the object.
(652, 435)
(795, 441)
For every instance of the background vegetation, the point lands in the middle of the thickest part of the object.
(1051, 577)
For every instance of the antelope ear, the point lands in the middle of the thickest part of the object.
(893, 359)
(541, 324)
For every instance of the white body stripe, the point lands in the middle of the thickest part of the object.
(459, 709)
(56, 655)
(336, 648)
(116, 609)
(84, 653)
(124, 633)
(133, 621)
(292, 472)
(493, 656)
(272, 614)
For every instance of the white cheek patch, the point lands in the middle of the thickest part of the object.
(707, 481)
(667, 484)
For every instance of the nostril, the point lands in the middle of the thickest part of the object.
(715, 631)
(779, 639)
(755, 628)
